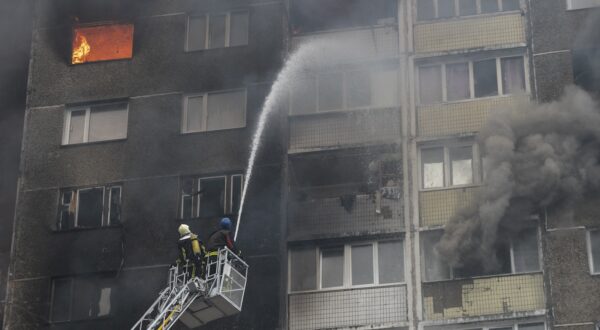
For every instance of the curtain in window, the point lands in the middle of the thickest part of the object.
(513, 77)
(226, 110)
(108, 122)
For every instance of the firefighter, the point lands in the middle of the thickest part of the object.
(220, 239)
(191, 251)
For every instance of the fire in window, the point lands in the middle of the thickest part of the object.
(102, 43)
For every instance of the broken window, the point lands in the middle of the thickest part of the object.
(332, 267)
(307, 16)
(484, 74)
(391, 262)
(83, 298)
(214, 111)
(594, 250)
(525, 251)
(434, 267)
(93, 123)
(217, 30)
(303, 269)
(102, 43)
(89, 207)
(586, 69)
(432, 9)
(210, 196)
(580, 4)
(430, 84)
(513, 75)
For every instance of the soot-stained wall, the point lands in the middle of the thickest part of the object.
(148, 163)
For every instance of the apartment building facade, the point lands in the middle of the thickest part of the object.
(359, 173)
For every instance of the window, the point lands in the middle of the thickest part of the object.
(80, 298)
(206, 197)
(594, 251)
(467, 80)
(518, 254)
(586, 68)
(217, 30)
(214, 111)
(344, 266)
(358, 88)
(580, 4)
(446, 166)
(101, 43)
(434, 9)
(95, 123)
(89, 207)
(307, 16)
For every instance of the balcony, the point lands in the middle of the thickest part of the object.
(349, 215)
(509, 295)
(375, 307)
(495, 31)
(334, 130)
(436, 207)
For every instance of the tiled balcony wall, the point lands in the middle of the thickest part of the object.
(436, 207)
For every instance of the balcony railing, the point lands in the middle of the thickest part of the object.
(375, 307)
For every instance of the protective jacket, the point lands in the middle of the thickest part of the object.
(219, 239)
(190, 249)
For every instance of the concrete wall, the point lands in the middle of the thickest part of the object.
(148, 163)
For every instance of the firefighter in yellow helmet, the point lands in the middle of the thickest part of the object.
(191, 251)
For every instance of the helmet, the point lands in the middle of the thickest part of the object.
(225, 223)
(184, 229)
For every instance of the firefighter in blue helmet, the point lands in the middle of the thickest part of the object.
(191, 251)
(222, 238)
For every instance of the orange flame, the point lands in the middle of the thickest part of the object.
(81, 51)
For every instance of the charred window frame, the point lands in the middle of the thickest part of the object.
(459, 81)
(94, 123)
(81, 298)
(582, 4)
(593, 249)
(446, 165)
(344, 266)
(350, 89)
(89, 207)
(522, 250)
(214, 111)
(210, 196)
(440, 9)
(217, 30)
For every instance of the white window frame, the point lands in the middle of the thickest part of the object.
(472, 96)
(196, 182)
(572, 5)
(589, 250)
(231, 189)
(476, 161)
(457, 10)
(205, 111)
(86, 124)
(207, 17)
(106, 207)
(347, 267)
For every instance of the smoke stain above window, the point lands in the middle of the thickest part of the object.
(102, 43)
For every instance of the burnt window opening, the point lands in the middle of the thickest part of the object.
(517, 253)
(91, 207)
(439, 9)
(101, 43)
(217, 30)
(308, 16)
(346, 265)
(81, 298)
(586, 69)
(206, 197)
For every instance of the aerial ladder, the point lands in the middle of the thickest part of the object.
(195, 300)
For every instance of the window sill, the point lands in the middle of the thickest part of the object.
(537, 272)
(467, 17)
(73, 145)
(192, 51)
(209, 131)
(102, 61)
(350, 288)
(343, 111)
(466, 186)
(80, 229)
(347, 29)
(476, 99)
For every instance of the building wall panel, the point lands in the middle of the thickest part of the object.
(455, 118)
(483, 296)
(377, 307)
(436, 207)
(478, 32)
(336, 129)
(322, 218)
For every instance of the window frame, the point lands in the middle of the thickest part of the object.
(590, 252)
(476, 163)
(196, 179)
(471, 74)
(205, 110)
(86, 125)
(570, 5)
(478, 11)
(199, 188)
(347, 266)
(227, 32)
(106, 205)
(72, 295)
